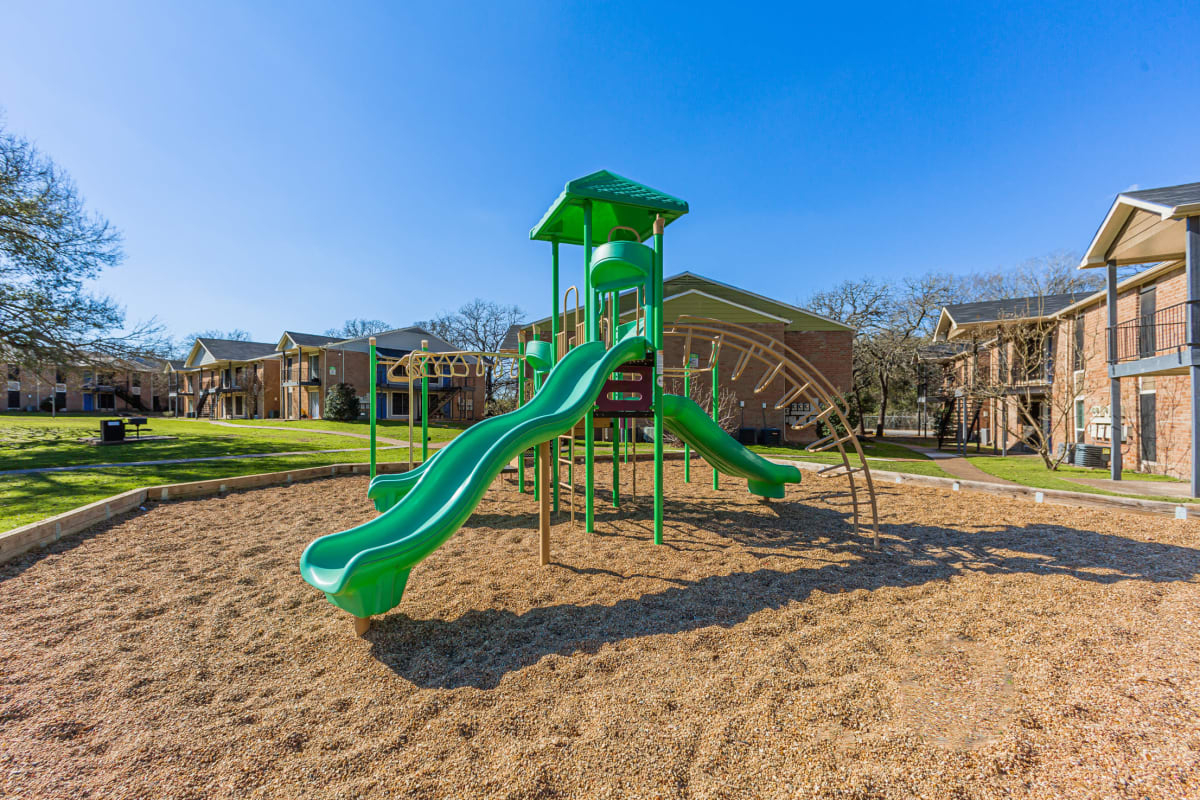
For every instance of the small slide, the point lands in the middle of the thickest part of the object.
(693, 425)
(364, 570)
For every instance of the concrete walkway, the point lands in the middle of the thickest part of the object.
(164, 461)
(961, 467)
(1170, 489)
(378, 438)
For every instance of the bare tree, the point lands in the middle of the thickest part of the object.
(1018, 368)
(891, 321)
(354, 328)
(480, 325)
(252, 383)
(1053, 273)
(50, 246)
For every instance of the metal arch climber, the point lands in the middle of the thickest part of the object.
(801, 381)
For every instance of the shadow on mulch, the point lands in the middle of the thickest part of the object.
(481, 647)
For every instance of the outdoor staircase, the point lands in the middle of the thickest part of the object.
(132, 399)
(950, 425)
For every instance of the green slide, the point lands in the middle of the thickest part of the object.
(364, 570)
(691, 423)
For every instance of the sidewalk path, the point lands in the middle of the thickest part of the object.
(961, 467)
(163, 461)
(1169, 489)
(378, 438)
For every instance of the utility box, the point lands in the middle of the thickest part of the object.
(112, 430)
(748, 435)
(771, 436)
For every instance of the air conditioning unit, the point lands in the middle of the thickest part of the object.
(14, 386)
(136, 390)
(60, 387)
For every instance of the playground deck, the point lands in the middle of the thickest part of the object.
(764, 651)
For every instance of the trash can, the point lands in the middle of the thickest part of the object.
(112, 430)
(748, 435)
(770, 436)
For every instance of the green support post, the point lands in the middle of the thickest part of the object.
(659, 224)
(521, 402)
(554, 322)
(616, 455)
(372, 412)
(687, 449)
(715, 411)
(424, 404)
(592, 326)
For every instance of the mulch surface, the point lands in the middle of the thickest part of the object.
(992, 648)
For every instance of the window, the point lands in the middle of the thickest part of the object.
(1147, 427)
(1080, 420)
(1077, 360)
(14, 372)
(399, 404)
(314, 366)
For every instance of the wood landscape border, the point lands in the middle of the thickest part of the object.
(52, 529)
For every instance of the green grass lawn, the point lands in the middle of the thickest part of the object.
(31, 441)
(29, 498)
(1031, 472)
(394, 429)
(881, 455)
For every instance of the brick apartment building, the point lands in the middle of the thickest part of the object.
(229, 379)
(1123, 363)
(135, 385)
(828, 345)
(311, 363)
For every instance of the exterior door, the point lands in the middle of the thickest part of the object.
(1147, 432)
(1147, 335)
(88, 401)
(381, 406)
(314, 405)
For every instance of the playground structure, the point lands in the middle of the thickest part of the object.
(598, 371)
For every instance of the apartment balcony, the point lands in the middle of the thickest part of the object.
(1152, 345)
(293, 378)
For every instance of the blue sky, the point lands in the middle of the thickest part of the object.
(293, 165)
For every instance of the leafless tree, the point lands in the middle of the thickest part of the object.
(183, 345)
(354, 328)
(480, 325)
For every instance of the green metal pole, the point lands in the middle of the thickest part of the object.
(613, 319)
(616, 478)
(374, 363)
(424, 405)
(554, 331)
(592, 325)
(521, 402)
(715, 411)
(687, 449)
(659, 224)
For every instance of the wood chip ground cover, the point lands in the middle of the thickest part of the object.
(993, 648)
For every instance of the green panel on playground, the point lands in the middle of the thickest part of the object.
(364, 570)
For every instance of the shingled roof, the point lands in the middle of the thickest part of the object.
(970, 315)
(309, 339)
(229, 350)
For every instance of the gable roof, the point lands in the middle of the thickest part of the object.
(227, 350)
(721, 300)
(963, 316)
(1144, 226)
(401, 340)
(615, 200)
(304, 340)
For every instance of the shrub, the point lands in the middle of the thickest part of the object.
(341, 403)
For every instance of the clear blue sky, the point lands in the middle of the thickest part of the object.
(292, 165)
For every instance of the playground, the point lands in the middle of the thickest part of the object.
(990, 646)
(530, 610)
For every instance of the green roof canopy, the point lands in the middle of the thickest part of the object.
(615, 201)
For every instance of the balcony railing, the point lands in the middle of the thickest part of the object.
(1165, 331)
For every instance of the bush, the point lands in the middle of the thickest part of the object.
(341, 403)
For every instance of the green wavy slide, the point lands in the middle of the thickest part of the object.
(364, 570)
